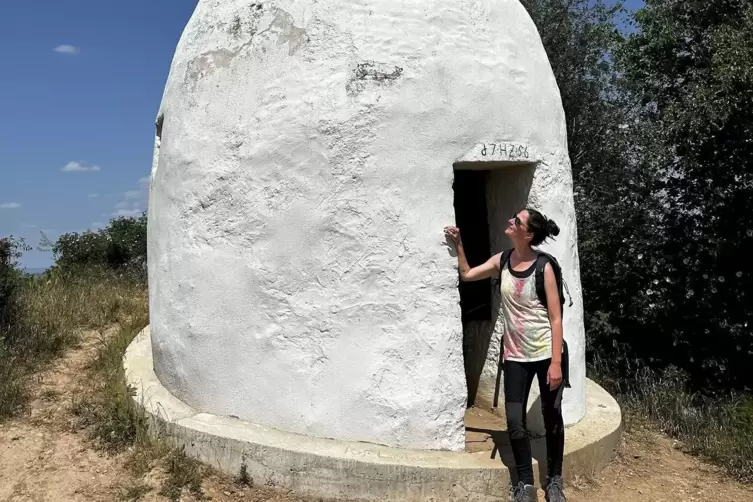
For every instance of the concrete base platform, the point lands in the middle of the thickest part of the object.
(332, 469)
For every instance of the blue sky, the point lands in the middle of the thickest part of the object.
(90, 106)
(79, 92)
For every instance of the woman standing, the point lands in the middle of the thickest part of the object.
(533, 345)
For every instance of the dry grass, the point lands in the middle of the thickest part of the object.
(718, 429)
(117, 424)
(183, 472)
(106, 409)
(50, 313)
(134, 491)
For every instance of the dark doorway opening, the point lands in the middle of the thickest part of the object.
(485, 195)
(471, 217)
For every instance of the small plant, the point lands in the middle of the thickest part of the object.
(115, 420)
(182, 472)
(244, 479)
(144, 456)
(135, 491)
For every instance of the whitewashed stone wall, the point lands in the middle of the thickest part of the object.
(298, 273)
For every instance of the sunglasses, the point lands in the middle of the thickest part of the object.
(519, 223)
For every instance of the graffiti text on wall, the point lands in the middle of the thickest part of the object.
(504, 151)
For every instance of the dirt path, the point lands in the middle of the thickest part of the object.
(43, 457)
(652, 468)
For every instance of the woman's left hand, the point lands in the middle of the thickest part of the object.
(554, 376)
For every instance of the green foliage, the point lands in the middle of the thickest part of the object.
(10, 280)
(690, 64)
(659, 126)
(119, 247)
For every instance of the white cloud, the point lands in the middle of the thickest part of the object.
(127, 212)
(132, 201)
(145, 179)
(10, 205)
(67, 49)
(77, 167)
(128, 208)
(93, 195)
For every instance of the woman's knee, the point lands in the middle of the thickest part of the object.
(516, 427)
(553, 421)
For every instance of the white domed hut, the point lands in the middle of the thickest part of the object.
(308, 155)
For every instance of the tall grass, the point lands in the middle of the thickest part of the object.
(118, 424)
(107, 408)
(49, 314)
(718, 429)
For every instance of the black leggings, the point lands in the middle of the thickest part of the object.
(518, 380)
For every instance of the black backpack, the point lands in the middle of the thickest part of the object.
(541, 261)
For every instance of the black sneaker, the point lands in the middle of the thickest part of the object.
(554, 490)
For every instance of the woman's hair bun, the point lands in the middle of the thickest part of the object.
(552, 228)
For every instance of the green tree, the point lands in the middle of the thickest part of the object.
(613, 170)
(690, 63)
(10, 279)
(121, 246)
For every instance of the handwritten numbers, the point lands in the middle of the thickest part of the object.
(511, 151)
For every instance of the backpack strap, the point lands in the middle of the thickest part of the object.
(541, 262)
(503, 259)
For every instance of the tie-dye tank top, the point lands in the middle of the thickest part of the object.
(528, 333)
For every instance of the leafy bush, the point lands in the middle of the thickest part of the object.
(121, 247)
(10, 280)
(659, 124)
(690, 66)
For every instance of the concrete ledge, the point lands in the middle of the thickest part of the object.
(334, 469)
